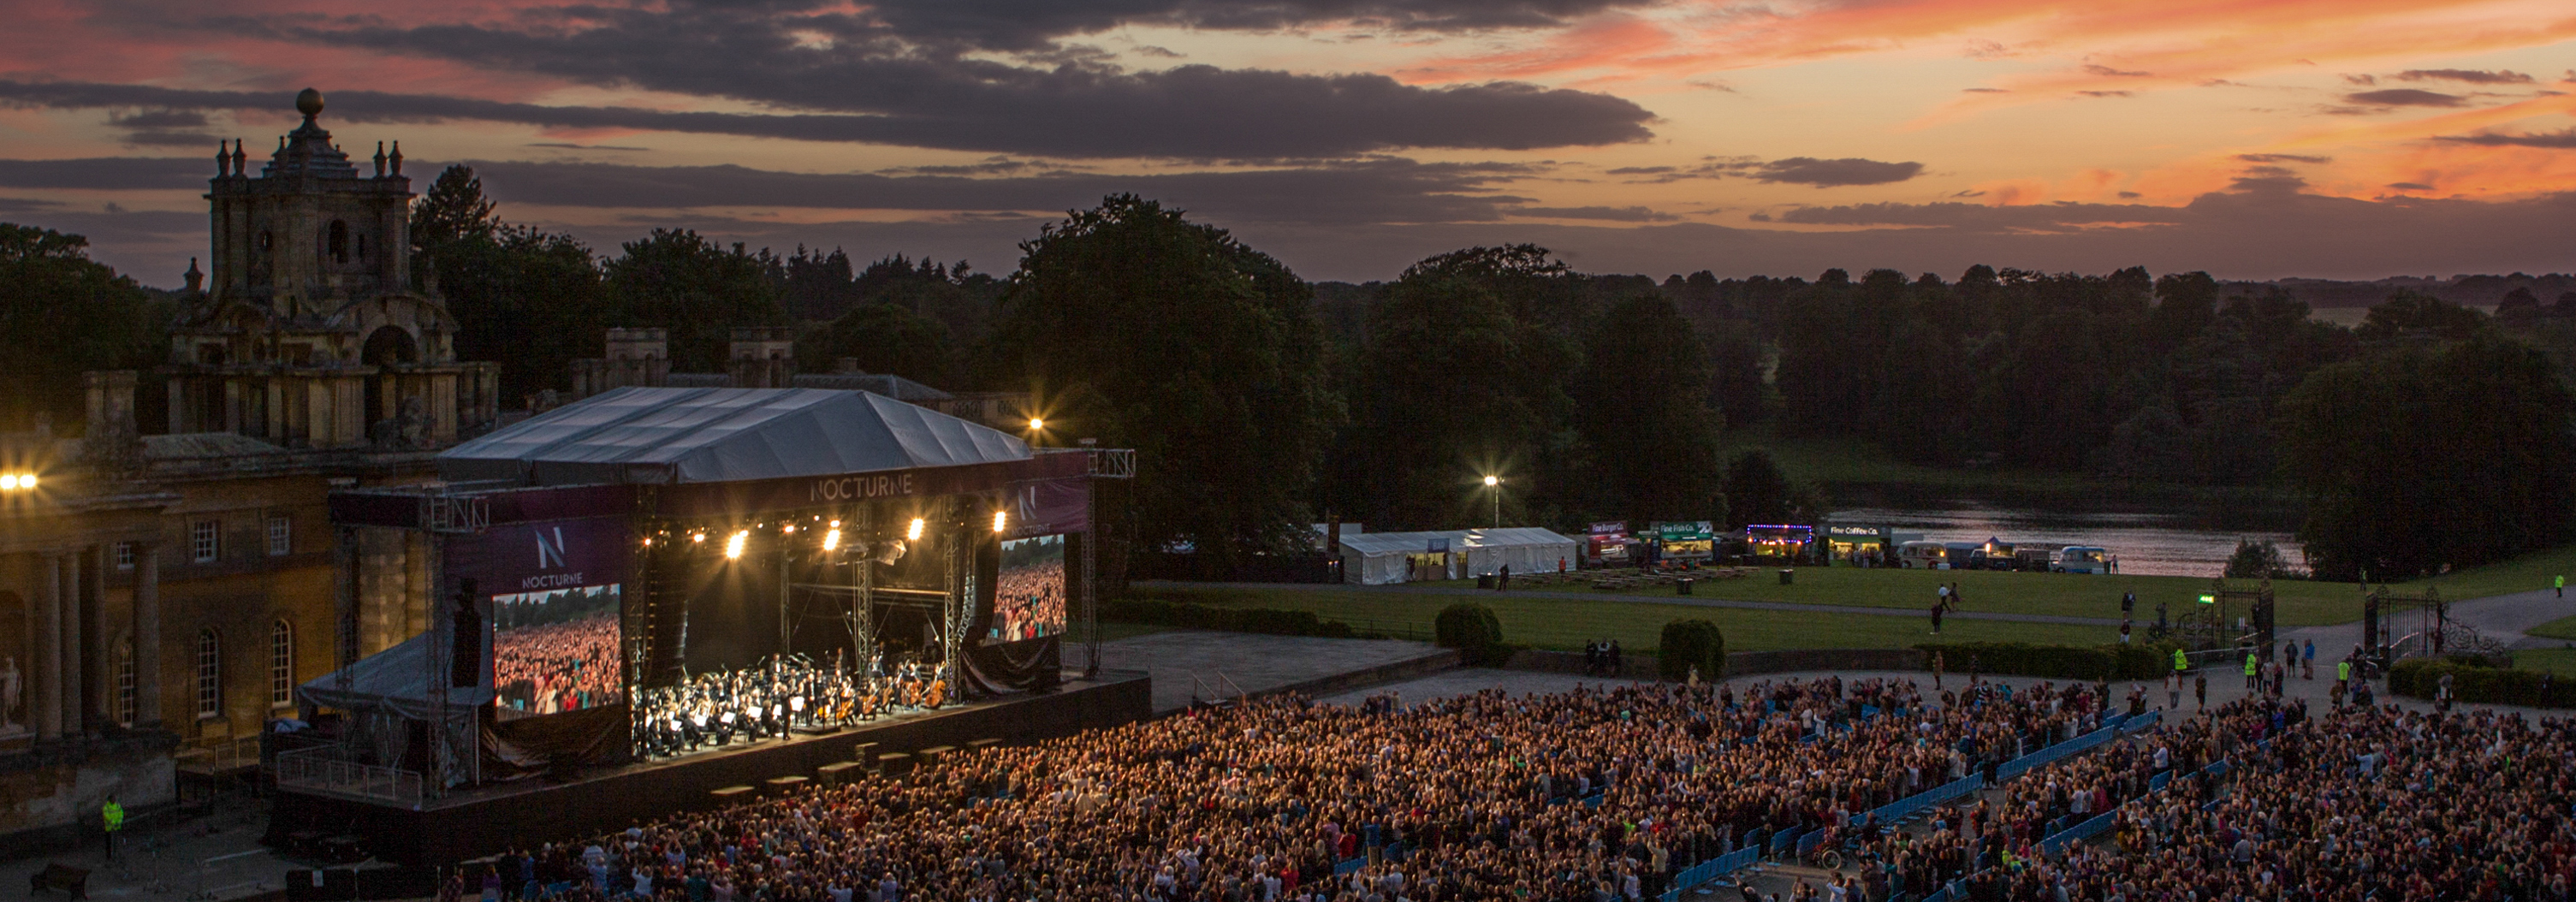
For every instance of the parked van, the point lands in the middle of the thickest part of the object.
(2082, 559)
(2037, 560)
(1921, 555)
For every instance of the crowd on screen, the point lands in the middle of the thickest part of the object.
(556, 667)
(1028, 601)
(1599, 795)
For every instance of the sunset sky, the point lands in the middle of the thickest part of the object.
(2250, 138)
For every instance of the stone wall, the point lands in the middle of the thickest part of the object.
(50, 798)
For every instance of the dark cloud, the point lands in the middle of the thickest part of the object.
(1955, 215)
(2364, 79)
(1018, 24)
(2472, 76)
(2104, 93)
(111, 173)
(2108, 72)
(1366, 191)
(2281, 158)
(1611, 214)
(2410, 186)
(2267, 179)
(163, 128)
(2559, 140)
(1197, 112)
(565, 145)
(26, 205)
(992, 75)
(1833, 173)
(1984, 91)
(2405, 97)
(160, 119)
(1641, 170)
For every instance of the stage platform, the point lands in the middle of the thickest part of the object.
(536, 810)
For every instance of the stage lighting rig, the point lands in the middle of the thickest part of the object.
(733, 546)
(832, 539)
(913, 532)
(1001, 520)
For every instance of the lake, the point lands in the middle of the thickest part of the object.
(2149, 544)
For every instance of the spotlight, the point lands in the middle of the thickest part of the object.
(697, 537)
(733, 546)
(832, 539)
(914, 532)
(1000, 520)
(836, 524)
(8, 482)
(789, 529)
(1037, 423)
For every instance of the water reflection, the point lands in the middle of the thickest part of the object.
(2147, 544)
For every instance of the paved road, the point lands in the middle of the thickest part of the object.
(1687, 601)
(2503, 618)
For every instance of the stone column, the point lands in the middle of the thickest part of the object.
(72, 660)
(147, 635)
(98, 648)
(45, 694)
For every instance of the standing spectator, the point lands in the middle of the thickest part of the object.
(2308, 661)
(2128, 603)
(1937, 606)
(2251, 661)
(2200, 691)
(2173, 687)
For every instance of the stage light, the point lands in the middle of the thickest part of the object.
(733, 546)
(648, 541)
(1491, 481)
(1037, 423)
(832, 540)
(1001, 519)
(698, 537)
(914, 532)
(836, 524)
(789, 529)
(8, 482)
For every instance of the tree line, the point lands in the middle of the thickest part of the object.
(2430, 436)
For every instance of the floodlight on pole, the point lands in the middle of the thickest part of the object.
(1494, 487)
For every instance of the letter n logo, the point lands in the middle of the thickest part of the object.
(550, 554)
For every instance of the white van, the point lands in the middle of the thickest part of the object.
(2082, 559)
(1921, 555)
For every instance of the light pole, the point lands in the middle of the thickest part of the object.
(1494, 487)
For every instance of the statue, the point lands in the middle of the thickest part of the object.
(10, 684)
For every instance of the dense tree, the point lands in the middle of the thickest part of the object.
(506, 284)
(61, 314)
(882, 338)
(700, 291)
(1644, 416)
(1757, 492)
(2414, 316)
(1149, 331)
(2417, 460)
(1464, 375)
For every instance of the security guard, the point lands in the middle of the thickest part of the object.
(112, 816)
(2181, 663)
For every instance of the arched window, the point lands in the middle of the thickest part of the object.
(339, 241)
(281, 664)
(210, 674)
(125, 713)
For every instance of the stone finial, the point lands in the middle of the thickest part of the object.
(223, 159)
(380, 159)
(397, 158)
(308, 102)
(196, 279)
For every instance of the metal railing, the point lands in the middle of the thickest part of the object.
(326, 770)
(232, 754)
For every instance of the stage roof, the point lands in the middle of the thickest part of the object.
(701, 435)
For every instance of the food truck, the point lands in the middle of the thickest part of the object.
(2081, 559)
(1687, 540)
(1923, 555)
(1783, 541)
(1606, 545)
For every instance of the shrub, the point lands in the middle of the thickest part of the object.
(1688, 644)
(2065, 662)
(2474, 680)
(1473, 630)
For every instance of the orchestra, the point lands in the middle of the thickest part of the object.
(783, 693)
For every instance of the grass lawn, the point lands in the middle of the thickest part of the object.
(2560, 661)
(2526, 573)
(1565, 624)
(2561, 628)
(2074, 595)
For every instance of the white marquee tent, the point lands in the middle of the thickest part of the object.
(1380, 558)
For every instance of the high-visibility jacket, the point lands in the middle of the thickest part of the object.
(2343, 670)
(2249, 665)
(113, 814)
(2181, 663)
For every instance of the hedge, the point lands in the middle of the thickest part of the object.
(2115, 661)
(2473, 681)
(1688, 644)
(1474, 631)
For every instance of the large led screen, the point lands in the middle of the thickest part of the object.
(555, 651)
(1028, 595)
